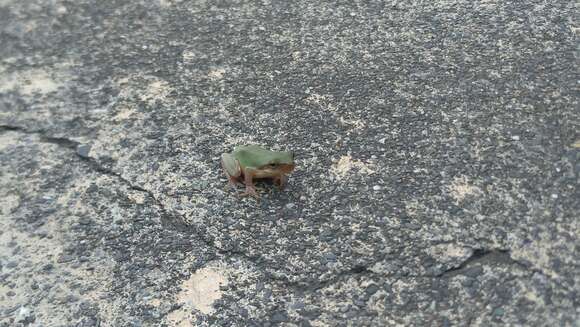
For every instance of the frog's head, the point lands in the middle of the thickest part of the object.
(280, 162)
(269, 163)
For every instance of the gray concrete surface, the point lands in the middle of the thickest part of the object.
(437, 146)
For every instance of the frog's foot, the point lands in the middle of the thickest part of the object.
(249, 182)
(280, 181)
(251, 190)
(233, 181)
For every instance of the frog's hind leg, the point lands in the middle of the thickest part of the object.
(232, 172)
(233, 182)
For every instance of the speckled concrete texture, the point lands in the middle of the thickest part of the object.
(437, 147)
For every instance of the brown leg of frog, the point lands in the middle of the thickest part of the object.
(250, 188)
(233, 183)
(280, 181)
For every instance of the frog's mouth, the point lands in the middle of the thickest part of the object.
(286, 168)
(274, 170)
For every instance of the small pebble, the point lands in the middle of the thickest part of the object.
(61, 10)
(65, 258)
(498, 312)
(372, 289)
(297, 305)
(279, 317)
(376, 188)
(345, 308)
(83, 150)
(330, 256)
(23, 315)
(12, 264)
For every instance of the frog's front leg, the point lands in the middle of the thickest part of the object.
(249, 181)
(280, 181)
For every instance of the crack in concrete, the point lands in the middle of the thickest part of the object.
(479, 256)
(168, 218)
(302, 288)
(485, 257)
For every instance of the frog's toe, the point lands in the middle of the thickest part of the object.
(251, 191)
(280, 182)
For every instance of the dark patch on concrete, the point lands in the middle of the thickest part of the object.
(478, 258)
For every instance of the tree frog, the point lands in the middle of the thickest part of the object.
(250, 162)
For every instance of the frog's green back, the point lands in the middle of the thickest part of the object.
(256, 156)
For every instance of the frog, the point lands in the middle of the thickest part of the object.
(250, 162)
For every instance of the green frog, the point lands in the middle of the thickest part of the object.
(250, 162)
